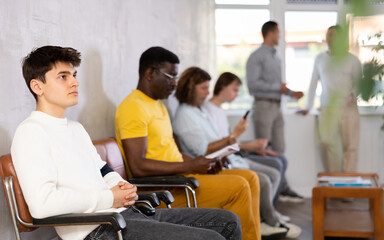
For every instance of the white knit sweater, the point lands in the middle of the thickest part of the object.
(338, 79)
(59, 171)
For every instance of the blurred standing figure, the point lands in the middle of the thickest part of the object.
(264, 78)
(338, 71)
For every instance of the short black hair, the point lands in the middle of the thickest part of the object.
(224, 80)
(267, 27)
(154, 57)
(41, 60)
(337, 28)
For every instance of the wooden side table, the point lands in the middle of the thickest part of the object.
(347, 222)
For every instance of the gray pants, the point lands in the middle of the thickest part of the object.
(272, 174)
(267, 210)
(279, 163)
(175, 224)
(269, 123)
(269, 179)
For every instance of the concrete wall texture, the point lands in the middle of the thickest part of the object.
(111, 35)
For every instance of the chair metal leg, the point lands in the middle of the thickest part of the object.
(193, 196)
(120, 235)
(187, 197)
(11, 206)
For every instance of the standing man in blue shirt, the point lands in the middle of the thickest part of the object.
(265, 84)
(264, 78)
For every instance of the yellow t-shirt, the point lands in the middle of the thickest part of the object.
(141, 116)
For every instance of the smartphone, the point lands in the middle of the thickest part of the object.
(246, 114)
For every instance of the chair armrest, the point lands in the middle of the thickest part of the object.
(151, 197)
(164, 181)
(163, 195)
(146, 210)
(115, 219)
(193, 182)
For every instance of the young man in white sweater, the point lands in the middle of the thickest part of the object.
(60, 171)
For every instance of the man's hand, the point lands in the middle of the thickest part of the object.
(267, 152)
(351, 100)
(124, 195)
(283, 88)
(255, 145)
(201, 165)
(297, 95)
(240, 127)
(217, 167)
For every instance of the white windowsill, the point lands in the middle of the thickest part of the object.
(364, 111)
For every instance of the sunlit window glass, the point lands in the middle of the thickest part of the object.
(238, 33)
(366, 33)
(305, 38)
(312, 2)
(243, 2)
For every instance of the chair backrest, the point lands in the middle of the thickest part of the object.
(6, 170)
(109, 151)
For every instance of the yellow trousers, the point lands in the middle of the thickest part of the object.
(236, 190)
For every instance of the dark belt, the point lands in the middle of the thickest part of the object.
(268, 100)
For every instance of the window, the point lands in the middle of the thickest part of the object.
(243, 2)
(303, 24)
(362, 42)
(237, 35)
(312, 1)
(303, 41)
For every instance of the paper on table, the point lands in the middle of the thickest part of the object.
(227, 150)
(339, 181)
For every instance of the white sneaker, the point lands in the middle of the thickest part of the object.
(282, 218)
(290, 199)
(293, 230)
(269, 232)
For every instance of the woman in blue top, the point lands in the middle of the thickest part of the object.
(198, 135)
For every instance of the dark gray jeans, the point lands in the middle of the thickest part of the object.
(174, 224)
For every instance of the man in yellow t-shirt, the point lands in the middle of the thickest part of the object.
(145, 137)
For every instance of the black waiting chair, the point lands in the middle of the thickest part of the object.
(24, 222)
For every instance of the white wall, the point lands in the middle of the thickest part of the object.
(111, 35)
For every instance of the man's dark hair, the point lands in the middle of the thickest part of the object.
(43, 59)
(224, 80)
(267, 27)
(186, 85)
(337, 28)
(154, 57)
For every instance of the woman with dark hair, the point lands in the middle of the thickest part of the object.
(198, 135)
(226, 90)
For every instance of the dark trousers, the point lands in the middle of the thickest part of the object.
(175, 223)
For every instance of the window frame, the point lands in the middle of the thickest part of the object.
(277, 9)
